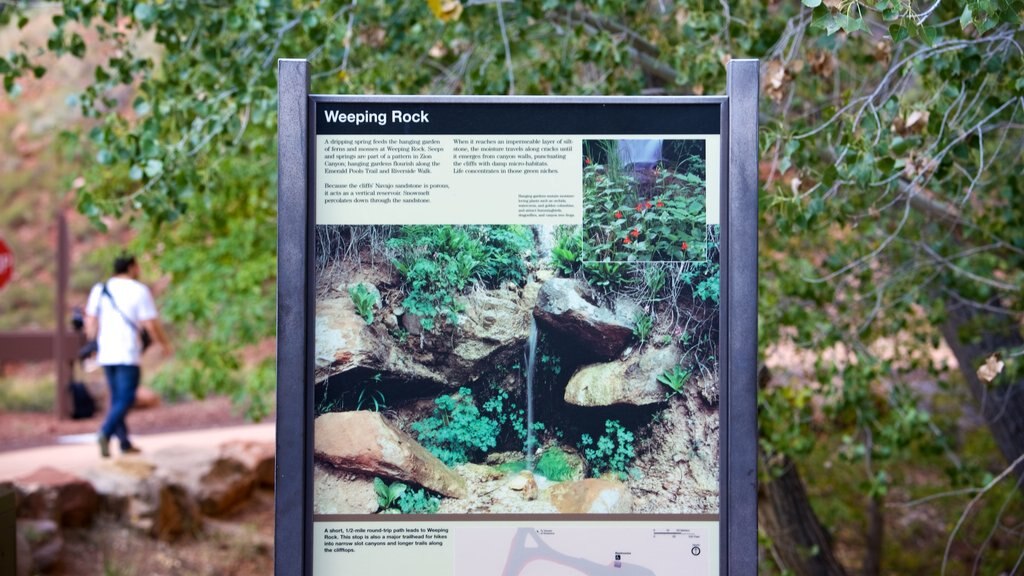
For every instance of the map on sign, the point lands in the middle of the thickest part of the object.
(573, 551)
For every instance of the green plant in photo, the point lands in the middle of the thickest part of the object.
(567, 253)
(611, 452)
(675, 379)
(606, 275)
(643, 325)
(370, 397)
(388, 495)
(364, 300)
(418, 502)
(439, 263)
(554, 465)
(456, 430)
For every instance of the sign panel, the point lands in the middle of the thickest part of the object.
(511, 336)
(6, 264)
(516, 338)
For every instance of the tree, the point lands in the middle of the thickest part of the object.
(891, 139)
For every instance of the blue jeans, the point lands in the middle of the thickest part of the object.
(123, 381)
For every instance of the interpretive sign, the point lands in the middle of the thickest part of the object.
(6, 264)
(511, 339)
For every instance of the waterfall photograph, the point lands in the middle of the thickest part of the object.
(510, 369)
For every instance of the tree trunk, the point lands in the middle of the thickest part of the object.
(1002, 401)
(801, 544)
(875, 537)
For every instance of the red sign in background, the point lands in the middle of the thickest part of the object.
(6, 264)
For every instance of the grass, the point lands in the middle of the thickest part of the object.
(23, 394)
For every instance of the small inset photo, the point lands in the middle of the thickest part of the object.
(644, 200)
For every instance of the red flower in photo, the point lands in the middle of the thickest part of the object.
(685, 246)
(660, 204)
(627, 241)
(587, 161)
(639, 207)
(634, 233)
(618, 213)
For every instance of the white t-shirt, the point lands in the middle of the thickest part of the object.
(117, 341)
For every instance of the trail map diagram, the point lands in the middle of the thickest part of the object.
(575, 551)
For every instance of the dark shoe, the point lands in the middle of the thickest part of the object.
(130, 450)
(104, 442)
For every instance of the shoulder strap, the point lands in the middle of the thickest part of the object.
(114, 304)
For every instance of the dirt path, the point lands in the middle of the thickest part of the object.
(77, 453)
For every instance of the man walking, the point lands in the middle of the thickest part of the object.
(116, 314)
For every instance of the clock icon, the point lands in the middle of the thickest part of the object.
(695, 550)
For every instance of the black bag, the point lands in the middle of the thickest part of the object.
(88, 350)
(82, 404)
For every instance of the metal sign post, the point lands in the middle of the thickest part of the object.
(637, 214)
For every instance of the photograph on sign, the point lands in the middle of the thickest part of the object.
(516, 339)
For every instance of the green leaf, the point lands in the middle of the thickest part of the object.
(135, 172)
(965, 17)
(145, 13)
(899, 32)
(104, 157)
(154, 168)
(141, 107)
(929, 34)
(811, 3)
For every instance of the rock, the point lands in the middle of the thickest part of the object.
(592, 496)
(632, 381)
(365, 443)
(411, 323)
(55, 495)
(524, 482)
(145, 398)
(165, 512)
(343, 339)
(336, 492)
(493, 329)
(478, 473)
(44, 543)
(217, 483)
(562, 308)
(344, 342)
(390, 321)
(258, 457)
(133, 492)
(118, 481)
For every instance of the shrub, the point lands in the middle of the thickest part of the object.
(456, 430)
(554, 465)
(674, 379)
(621, 222)
(567, 253)
(437, 264)
(388, 495)
(511, 419)
(613, 451)
(643, 324)
(364, 300)
(418, 502)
